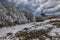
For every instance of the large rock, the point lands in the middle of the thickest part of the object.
(29, 15)
(9, 16)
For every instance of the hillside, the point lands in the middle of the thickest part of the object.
(46, 30)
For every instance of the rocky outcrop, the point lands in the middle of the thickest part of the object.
(10, 16)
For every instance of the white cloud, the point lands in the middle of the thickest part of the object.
(51, 6)
(38, 5)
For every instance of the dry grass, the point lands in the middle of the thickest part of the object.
(56, 23)
(41, 34)
(52, 17)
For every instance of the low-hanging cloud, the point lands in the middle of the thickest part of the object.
(47, 6)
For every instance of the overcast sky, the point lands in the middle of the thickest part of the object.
(48, 6)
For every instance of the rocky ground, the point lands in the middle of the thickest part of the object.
(46, 30)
